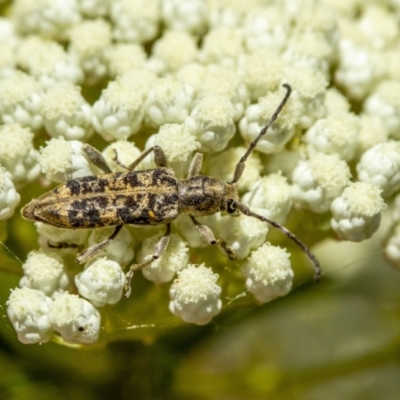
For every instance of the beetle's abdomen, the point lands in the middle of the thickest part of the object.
(147, 197)
(201, 195)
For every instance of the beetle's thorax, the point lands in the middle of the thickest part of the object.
(204, 195)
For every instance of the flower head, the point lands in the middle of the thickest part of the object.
(195, 295)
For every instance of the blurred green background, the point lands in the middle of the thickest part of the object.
(337, 339)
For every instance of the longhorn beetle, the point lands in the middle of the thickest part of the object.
(149, 197)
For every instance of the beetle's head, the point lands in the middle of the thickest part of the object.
(231, 198)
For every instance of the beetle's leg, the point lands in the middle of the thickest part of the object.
(207, 234)
(116, 160)
(96, 158)
(63, 245)
(95, 249)
(159, 249)
(195, 165)
(159, 157)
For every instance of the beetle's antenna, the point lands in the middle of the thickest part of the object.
(241, 164)
(246, 211)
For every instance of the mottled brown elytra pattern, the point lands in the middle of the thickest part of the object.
(149, 197)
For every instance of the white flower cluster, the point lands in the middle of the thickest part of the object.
(17, 153)
(195, 76)
(42, 305)
(268, 273)
(9, 197)
(357, 211)
(66, 113)
(62, 160)
(195, 295)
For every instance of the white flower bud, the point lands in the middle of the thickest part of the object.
(358, 70)
(140, 80)
(7, 31)
(124, 57)
(189, 15)
(28, 310)
(268, 273)
(192, 75)
(285, 161)
(9, 197)
(309, 87)
(89, 43)
(17, 153)
(178, 145)
(66, 113)
(372, 132)
(271, 197)
(308, 51)
(243, 233)
(384, 103)
(169, 101)
(380, 165)
(335, 101)
(135, 21)
(21, 101)
(261, 71)
(172, 51)
(225, 82)
(357, 211)
(75, 319)
(48, 62)
(119, 111)
(318, 181)
(257, 116)
(95, 8)
(44, 272)
(313, 18)
(49, 18)
(63, 160)
(121, 247)
(7, 60)
(195, 295)
(101, 282)
(174, 258)
(379, 25)
(336, 134)
(228, 14)
(266, 27)
(221, 45)
(212, 122)
(392, 61)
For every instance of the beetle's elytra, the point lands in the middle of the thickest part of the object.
(149, 197)
(142, 198)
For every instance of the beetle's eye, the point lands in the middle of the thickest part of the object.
(230, 206)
